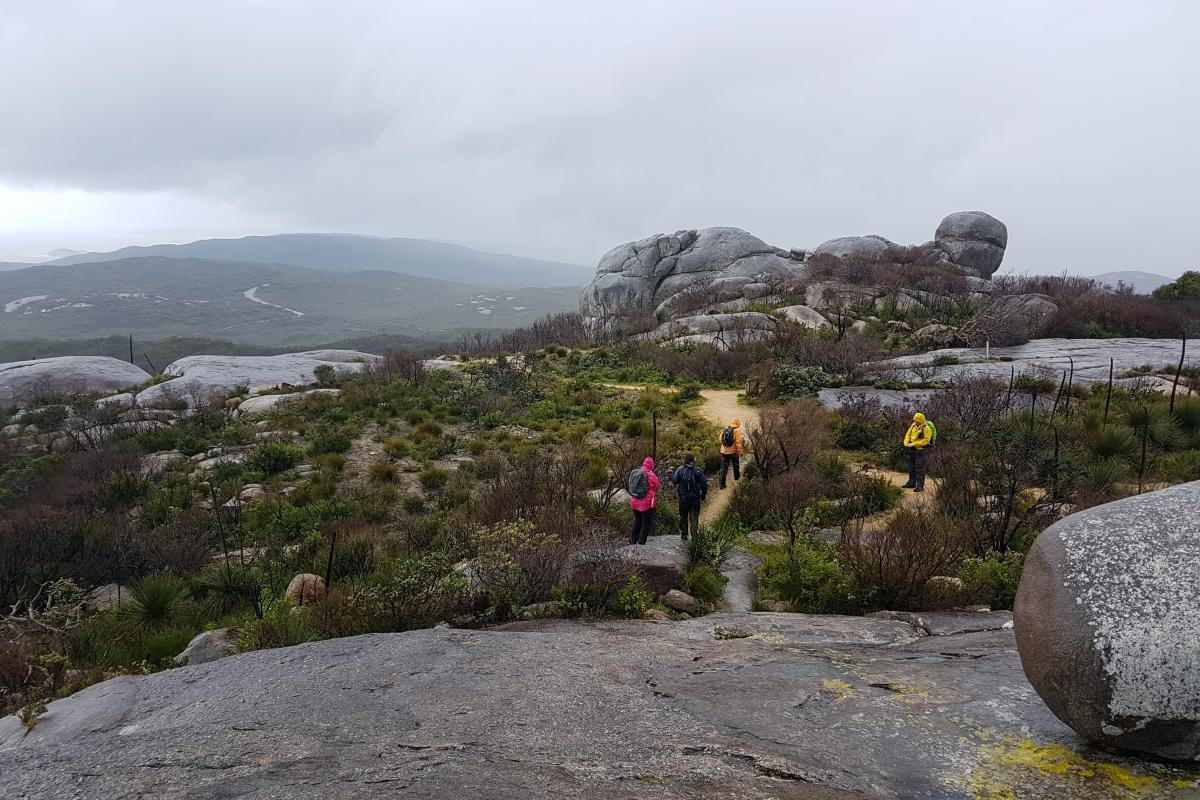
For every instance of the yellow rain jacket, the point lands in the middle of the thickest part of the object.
(919, 433)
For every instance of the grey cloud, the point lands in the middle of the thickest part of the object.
(558, 129)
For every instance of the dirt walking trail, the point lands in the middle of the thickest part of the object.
(719, 406)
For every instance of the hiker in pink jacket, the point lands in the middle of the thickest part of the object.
(643, 486)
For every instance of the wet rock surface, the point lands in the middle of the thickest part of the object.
(1108, 622)
(778, 706)
(1091, 357)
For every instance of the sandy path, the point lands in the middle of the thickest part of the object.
(719, 406)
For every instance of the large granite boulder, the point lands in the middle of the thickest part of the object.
(752, 706)
(651, 272)
(974, 240)
(23, 381)
(199, 378)
(1108, 622)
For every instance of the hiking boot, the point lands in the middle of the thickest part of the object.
(909, 485)
(918, 488)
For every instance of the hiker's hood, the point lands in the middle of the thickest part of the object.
(919, 418)
(737, 423)
(648, 464)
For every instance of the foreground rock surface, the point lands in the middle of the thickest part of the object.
(22, 381)
(1108, 622)
(785, 706)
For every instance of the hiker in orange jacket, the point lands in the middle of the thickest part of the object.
(733, 445)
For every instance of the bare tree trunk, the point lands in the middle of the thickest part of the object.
(1178, 369)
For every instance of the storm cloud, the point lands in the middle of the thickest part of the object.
(557, 129)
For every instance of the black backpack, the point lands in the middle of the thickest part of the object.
(689, 485)
(727, 437)
(639, 484)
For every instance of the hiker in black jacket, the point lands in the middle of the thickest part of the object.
(692, 487)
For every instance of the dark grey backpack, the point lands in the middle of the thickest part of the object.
(639, 484)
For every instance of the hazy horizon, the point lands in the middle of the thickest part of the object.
(556, 131)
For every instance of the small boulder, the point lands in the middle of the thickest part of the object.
(802, 315)
(157, 464)
(551, 609)
(209, 646)
(305, 588)
(680, 601)
(658, 616)
(106, 597)
(659, 563)
(252, 491)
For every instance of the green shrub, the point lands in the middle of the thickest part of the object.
(155, 602)
(124, 489)
(855, 434)
(867, 496)
(993, 579)
(413, 503)
(608, 423)
(811, 578)
(383, 471)
(1179, 467)
(272, 458)
(330, 439)
(632, 600)
(713, 544)
(704, 582)
(396, 447)
(890, 383)
(945, 361)
(636, 427)
(278, 627)
(794, 381)
(433, 478)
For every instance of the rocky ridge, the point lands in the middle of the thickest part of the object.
(731, 276)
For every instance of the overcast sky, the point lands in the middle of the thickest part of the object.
(558, 129)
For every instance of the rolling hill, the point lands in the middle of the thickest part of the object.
(351, 253)
(263, 304)
(1142, 282)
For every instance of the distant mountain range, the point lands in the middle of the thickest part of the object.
(1142, 282)
(277, 305)
(352, 253)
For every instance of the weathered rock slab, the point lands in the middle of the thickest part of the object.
(22, 381)
(199, 378)
(790, 706)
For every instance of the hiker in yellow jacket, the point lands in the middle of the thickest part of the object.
(916, 445)
(733, 445)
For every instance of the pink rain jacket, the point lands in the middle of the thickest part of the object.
(646, 503)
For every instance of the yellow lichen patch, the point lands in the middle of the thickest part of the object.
(905, 694)
(1012, 767)
(841, 690)
(1130, 780)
